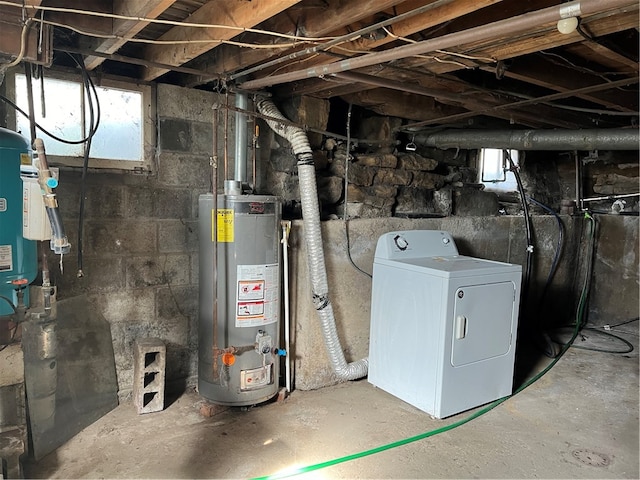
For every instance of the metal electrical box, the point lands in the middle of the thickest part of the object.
(443, 325)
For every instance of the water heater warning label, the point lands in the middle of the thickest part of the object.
(6, 258)
(225, 225)
(257, 295)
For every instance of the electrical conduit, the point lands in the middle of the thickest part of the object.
(313, 239)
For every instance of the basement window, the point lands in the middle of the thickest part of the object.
(494, 170)
(123, 139)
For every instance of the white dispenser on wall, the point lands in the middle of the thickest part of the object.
(443, 325)
(35, 223)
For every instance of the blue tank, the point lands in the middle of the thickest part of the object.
(18, 256)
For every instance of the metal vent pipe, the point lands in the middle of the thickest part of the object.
(241, 137)
(500, 29)
(597, 139)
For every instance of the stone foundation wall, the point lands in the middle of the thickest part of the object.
(141, 236)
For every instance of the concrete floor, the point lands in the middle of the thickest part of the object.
(578, 421)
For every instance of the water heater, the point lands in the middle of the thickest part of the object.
(18, 256)
(237, 353)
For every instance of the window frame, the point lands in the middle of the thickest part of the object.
(508, 183)
(148, 120)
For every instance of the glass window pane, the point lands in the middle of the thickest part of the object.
(63, 113)
(492, 171)
(119, 135)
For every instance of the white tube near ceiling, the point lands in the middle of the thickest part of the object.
(313, 239)
(240, 169)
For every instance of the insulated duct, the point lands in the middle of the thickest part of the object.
(313, 239)
(597, 139)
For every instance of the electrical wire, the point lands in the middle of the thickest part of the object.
(13, 307)
(40, 127)
(176, 42)
(558, 253)
(94, 123)
(345, 215)
(161, 21)
(628, 345)
(528, 228)
(15, 329)
(23, 45)
(602, 75)
(444, 52)
(626, 322)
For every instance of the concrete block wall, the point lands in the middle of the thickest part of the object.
(141, 238)
(141, 242)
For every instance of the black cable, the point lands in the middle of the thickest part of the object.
(32, 116)
(591, 252)
(13, 307)
(346, 187)
(94, 122)
(629, 345)
(40, 127)
(622, 323)
(93, 127)
(528, 227)
(15, 329)
(559, 249)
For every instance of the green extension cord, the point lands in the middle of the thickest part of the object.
(347, 458)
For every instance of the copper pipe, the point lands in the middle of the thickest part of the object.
(256, 134)
(214, 235)
(499, 29)
(226, 136)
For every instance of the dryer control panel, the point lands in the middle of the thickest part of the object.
(408, 244)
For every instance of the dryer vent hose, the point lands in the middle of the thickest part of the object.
(313, 239)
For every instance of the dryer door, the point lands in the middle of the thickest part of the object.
(482, 322)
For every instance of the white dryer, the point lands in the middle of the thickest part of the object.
(443, 325)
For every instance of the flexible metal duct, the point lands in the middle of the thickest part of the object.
(313, 238)
(597, 139)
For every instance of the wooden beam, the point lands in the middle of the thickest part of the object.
(527, 103)
(606, 57)
(334, 15)
(11, 26)
(236, 13)
(543, 38)
(418, 23)
(87, 23)
(127, 28)
(415, 24)
(550, 72)
(402, 105)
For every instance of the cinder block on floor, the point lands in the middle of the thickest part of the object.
(12, 447)
(150, 359)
